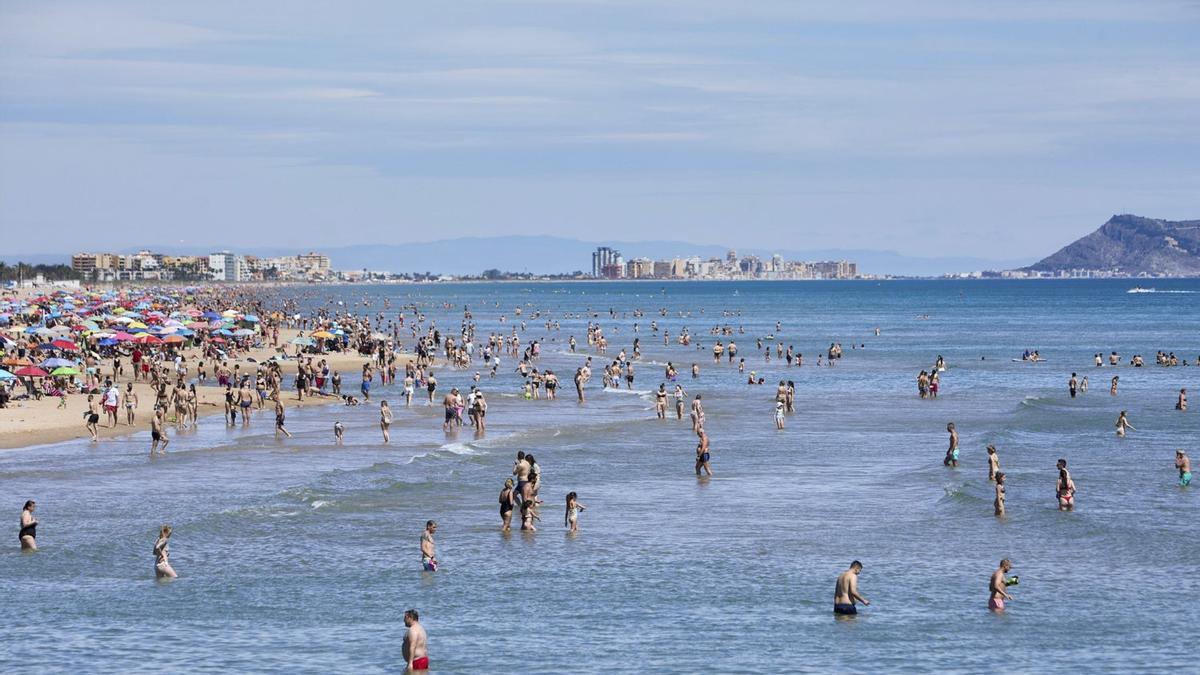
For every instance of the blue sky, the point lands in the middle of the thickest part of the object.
(930, 127)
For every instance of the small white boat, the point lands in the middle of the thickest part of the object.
(1139, 289)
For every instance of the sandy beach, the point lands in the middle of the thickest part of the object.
(37, 422)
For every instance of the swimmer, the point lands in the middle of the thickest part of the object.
(162, 565)
(414, 650)
(339, 431)
(1113, 389)
(1072, 385)
(999, 501)
(1065, 488)
(996, 587)
(1182, 462)
(385, 420)
(702, 456)
(280, 418)
(571, 517)
(428, 550)
(660, 402)
(779, 416)
(993, 462)
(28, 533)
(1123, 424)
(952, 452)
(158, 431)
(507, 500)
(1181, 402)
(845, 592)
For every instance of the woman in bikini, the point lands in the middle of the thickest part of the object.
(507, 500)
(162, 564)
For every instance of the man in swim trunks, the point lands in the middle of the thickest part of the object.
(845, 592)
(702, 456)
(952, 451)
(450, 404)
(428, 550)
(414, 650)
(996, 587)
(1184, 464)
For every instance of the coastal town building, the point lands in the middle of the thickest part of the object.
(607, 263)
(217, 266)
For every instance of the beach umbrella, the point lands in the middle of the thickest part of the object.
(47, 347)
(30, 371)
(123, 337)
(224, 331)
(243, 332)
(307, 341)
(64, 370)
(16, 361)
(322, 334)
(56, 363)
(63, 343)
(251, 318)
(212, 316)
(5, 375)
(173, 339)
(108, 342)
(147, 339)
(138, 324)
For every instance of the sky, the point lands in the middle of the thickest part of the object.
(929, 127)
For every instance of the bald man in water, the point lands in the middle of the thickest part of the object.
(996, 587)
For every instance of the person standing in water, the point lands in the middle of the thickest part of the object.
(779, 416)
(1113, 389)
(1073, 385)
(280, 418)
(952, 452)
(1182, 462)
(1123, 424)
(702, 456)
(845, 592)
(999, 501)
(428, 550)
(158, 431)
(997, 594)
(1065, 488)
(993, 462)
(571, 517)
(1181, 402)
(414, 650)
(507, 500)
(162, 563)
(28, 534)
(385, 420)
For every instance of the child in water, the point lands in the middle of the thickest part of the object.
(574, 506)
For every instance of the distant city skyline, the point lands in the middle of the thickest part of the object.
(931, 128)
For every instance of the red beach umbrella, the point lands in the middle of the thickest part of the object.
(30, 371)
(147, 339)
(65, 344)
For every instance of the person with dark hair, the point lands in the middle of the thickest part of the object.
(999, 501)
(845, 592)
(996, 587)
(28, 535)
(414, 649)
(1065, 488)
(574, 506)
(428, 550)
(951, 459)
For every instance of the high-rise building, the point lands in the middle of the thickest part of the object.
(225, 266)
(604, 257)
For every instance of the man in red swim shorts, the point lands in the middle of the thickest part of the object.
(415, 652)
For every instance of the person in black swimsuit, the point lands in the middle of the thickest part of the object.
(28, 534)
(506, 504)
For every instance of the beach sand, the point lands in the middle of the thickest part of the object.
(28, 423)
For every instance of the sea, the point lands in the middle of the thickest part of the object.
(301, 556)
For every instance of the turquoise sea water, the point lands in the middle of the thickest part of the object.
(299, 556)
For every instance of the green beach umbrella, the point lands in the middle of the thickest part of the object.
(64, 370)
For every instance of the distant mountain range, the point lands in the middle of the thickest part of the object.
(560, 255)
(1132, 245)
